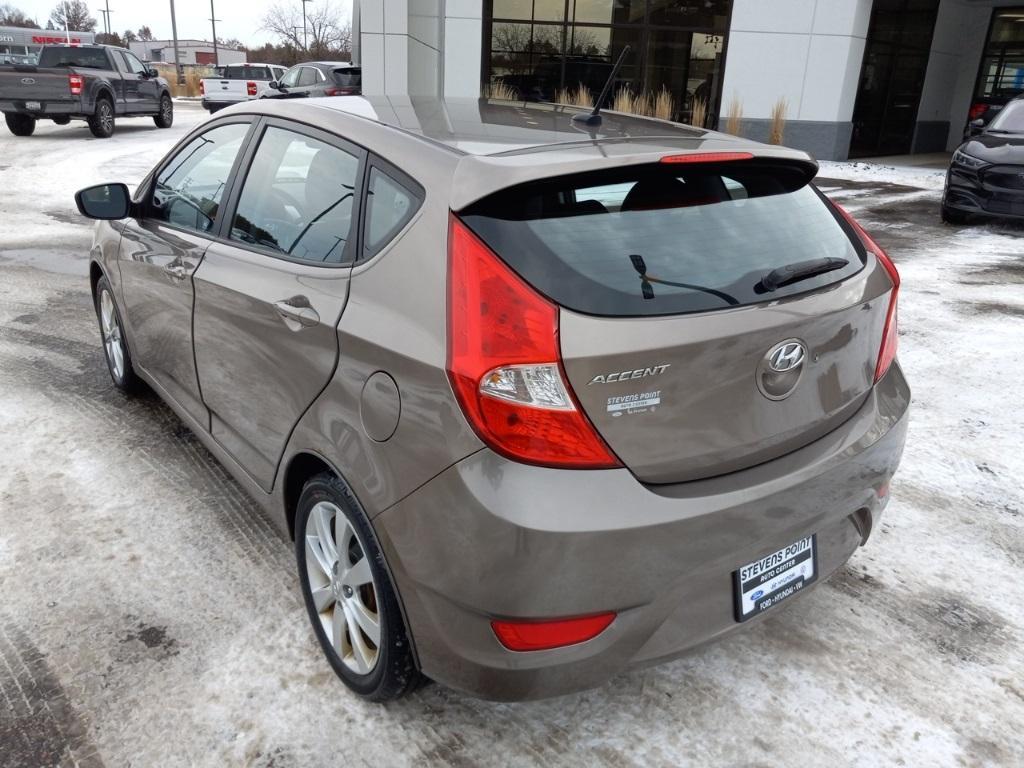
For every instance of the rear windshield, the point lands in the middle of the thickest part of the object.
(348, 77)
(247, 73)
(666, 239)
(87, 58)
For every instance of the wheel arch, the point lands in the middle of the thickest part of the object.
(300, 468)
(104, 92)
(95, 273)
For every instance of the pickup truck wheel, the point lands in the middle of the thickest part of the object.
(102, 121)
(165, 117)
(20, 125)
(61, 120)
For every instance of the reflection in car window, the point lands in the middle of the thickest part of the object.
(389, 207)
(291, 77)
(1010, 118)
(297, 198)
(188, 190)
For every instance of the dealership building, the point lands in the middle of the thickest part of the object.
(858, 78)
(190, 52)
(19, 42)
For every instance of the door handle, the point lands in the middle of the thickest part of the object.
(177, 271)
(293, 311)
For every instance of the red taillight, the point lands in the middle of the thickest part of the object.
(707, 157)
(505, 366)
(339, 91)
(250, 88)
(887, 352)
(75, 82)
(542, 635)
(202, 88)
(976, 111)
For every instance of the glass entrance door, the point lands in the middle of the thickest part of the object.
(892, 76)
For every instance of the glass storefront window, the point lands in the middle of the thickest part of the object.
(540, 49)
(1002, 67)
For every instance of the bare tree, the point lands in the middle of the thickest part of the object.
(75, 15)
(145, 34)
(14, 17)
(129, 37)
(326, 31)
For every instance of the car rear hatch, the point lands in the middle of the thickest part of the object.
(715, 310)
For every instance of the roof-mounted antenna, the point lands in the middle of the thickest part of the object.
(594, 118)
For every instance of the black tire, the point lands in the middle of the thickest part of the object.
(20, 125)
(102, 121)
(125, 380)
(953, 216)
(165, 117)
(394, 673)
(62, 120)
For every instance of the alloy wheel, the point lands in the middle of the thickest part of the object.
(112, 343)
(342, 587)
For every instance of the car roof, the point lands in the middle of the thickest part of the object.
(490, 144)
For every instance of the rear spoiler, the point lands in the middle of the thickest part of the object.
(477, 176)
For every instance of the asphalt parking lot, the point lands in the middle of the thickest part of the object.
(150, 613)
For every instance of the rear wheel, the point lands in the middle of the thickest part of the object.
(20, 125)
(102, 121)
(953, 216)
(165, 117)
(115, 348)
(351, 603)
(62, 120)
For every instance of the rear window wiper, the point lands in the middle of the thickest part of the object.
(794, 273)
(648, 290)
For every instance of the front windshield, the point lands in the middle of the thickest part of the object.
(1010, 118)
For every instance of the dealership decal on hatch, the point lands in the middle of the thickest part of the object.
(638, 402)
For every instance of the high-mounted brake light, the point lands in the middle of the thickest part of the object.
(543, 635)
(75, 83)
(505, 366)
(887, 351)
(708, 157)
(250, 88)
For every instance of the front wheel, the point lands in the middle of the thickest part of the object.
(348, 593)
(115, 347)
(20, 125)
(165, 117)
(102, 121)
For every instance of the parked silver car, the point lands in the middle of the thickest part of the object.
(538, 400)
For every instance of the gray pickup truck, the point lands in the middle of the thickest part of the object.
(94, 83)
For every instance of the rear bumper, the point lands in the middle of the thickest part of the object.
(490, 538)
(46, 108)
(209, 103)
(966, 191)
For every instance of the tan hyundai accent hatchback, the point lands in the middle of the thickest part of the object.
(538, 400)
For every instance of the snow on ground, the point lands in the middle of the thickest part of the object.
(150, 614)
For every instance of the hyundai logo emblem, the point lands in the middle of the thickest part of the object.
(28, 81)
(786, 357)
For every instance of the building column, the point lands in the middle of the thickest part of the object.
(400, 43)
(808, 52)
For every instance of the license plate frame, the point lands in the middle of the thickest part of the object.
(777, 576)
(34, 106)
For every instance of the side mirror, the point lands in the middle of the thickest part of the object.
(274, 85)
(108, 202)
(152, 73)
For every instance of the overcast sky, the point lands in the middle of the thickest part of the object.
(238, 18)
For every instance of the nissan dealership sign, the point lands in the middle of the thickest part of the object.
(33, 39)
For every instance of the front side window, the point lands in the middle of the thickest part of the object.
(298, 198)
(1010, 119)
(291, 78)
(389, 206)
(134, 65)
(189, 189)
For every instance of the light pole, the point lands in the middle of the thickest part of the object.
(213, 22)
(177, 57)
(305, 42)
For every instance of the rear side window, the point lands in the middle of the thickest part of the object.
(389, 207)
(309, 76)
(298, 198)
(668, 239)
